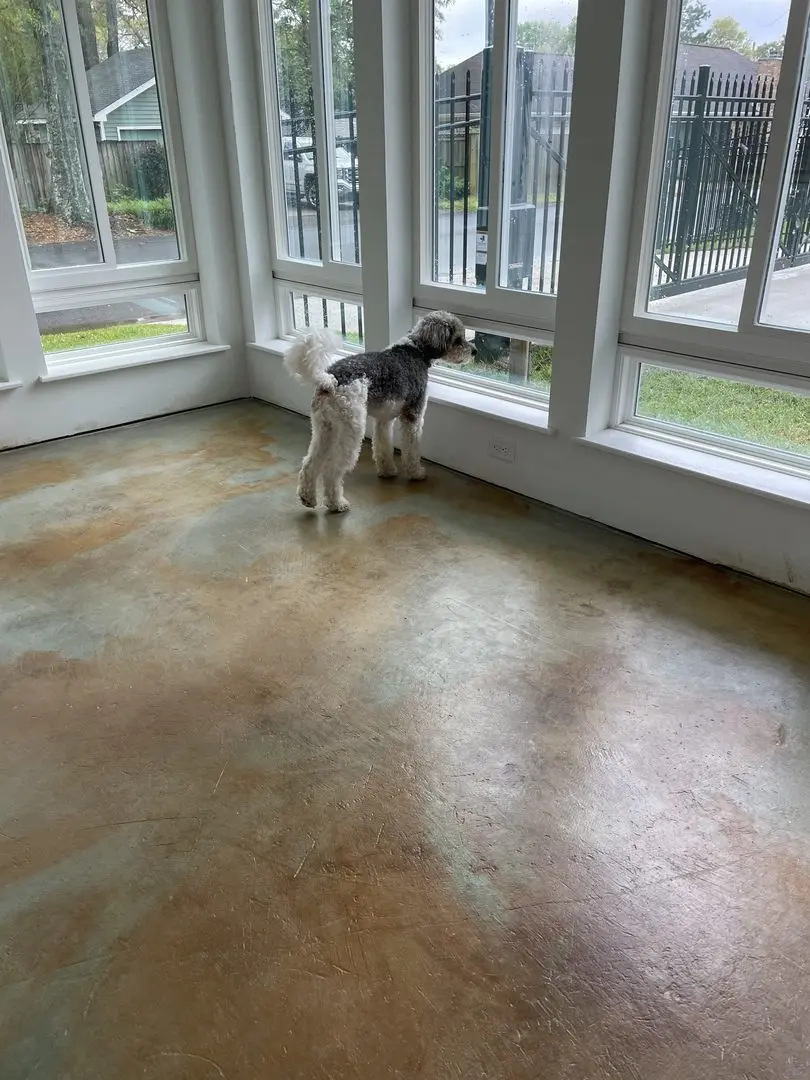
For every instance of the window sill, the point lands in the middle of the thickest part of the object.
(9, 386)
(74, 369)
(510, 411)
(749, 476)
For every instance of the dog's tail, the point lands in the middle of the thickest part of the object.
(310, 356)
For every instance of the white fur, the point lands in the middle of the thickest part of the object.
(310, 356)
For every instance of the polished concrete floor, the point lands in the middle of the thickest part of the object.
(451, 786)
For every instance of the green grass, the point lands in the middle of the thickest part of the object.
(106, 335)
(498, 368)
(774, 418)
(156, 213)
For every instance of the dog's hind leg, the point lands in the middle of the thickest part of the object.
(382, 447)
(348, 408)
(313, 464)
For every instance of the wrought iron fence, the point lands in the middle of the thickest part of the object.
(300, 172)
(542, 116)
(714, 161)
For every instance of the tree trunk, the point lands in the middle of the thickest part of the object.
(111, 8)
(87, 30)
(69, 195)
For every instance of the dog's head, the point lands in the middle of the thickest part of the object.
(441, 336)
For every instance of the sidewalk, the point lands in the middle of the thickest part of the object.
(788, 302)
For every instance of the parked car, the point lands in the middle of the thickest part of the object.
(305, 184)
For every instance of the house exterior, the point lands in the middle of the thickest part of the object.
(123, 97)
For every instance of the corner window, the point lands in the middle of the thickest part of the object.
(100, 195)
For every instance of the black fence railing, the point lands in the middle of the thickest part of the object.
(542, 88)
(714, 161)
(300, 171)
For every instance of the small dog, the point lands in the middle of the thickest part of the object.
(386, 385)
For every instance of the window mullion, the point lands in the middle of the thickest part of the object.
(498, 130)
(74, 47)
(781, 146)
(323, 163)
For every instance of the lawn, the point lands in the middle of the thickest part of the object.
(775, 418)
(107, 335)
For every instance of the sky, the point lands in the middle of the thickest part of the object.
(462, 30)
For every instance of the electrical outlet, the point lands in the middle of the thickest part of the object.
(502, 450)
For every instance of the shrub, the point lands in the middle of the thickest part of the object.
(152, 172)
(156, 213)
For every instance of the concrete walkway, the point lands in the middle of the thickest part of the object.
(788, 302)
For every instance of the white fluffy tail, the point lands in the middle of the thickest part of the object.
(310, 356)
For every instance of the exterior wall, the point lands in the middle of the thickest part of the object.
(139, 118)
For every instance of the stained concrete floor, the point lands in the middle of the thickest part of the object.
(452, 786)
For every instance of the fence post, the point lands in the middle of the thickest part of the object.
(687, 217)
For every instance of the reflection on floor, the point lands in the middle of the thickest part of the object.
(452, 786)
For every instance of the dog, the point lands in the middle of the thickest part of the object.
(387, 386)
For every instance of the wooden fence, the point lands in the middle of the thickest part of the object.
(31, 168)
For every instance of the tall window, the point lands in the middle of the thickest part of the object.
(101, 203)
(498, 88)
(725, 242)
(312, 147)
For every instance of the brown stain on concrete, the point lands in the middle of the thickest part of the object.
(17, 477)
(289, 828)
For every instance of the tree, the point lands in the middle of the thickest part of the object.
(87, 32)
(548, 36)
(69, 196)
(694, 16)
(770, 48)
(113, 41)
(726, 33)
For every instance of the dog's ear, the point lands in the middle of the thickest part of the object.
(434, 333)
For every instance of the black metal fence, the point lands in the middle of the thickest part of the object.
(300, 172)
(714, 161)
(543, 89)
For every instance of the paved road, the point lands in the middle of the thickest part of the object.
(136, 249)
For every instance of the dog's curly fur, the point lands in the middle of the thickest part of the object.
(387, 386)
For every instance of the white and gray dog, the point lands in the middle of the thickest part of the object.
(387, 386)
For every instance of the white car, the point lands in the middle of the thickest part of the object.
(299, 159)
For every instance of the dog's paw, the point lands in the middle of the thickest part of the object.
(387, 472)
(339, 507)
(307, 498)
(417, 474)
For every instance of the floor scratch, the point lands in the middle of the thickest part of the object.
(193, 1057)
(301, 864)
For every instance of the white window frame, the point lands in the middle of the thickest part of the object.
(93, 280)
(531, 311)
(327, 275)
(284, 306)
(57, 301)
(771, 350)
(735, 449)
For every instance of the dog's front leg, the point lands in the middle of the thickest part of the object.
(411, 423)
(382, 445)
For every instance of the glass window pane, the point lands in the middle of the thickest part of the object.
(291, 35)
(778, 419)
(43, 137)
(462, 46)
(117, 49)
(787, 290)
(512, 361)
(105, 325)
(317, 312)
(717, 139)
(541, 75)
(346, 192)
